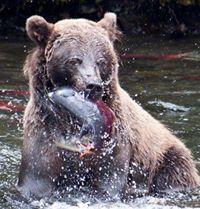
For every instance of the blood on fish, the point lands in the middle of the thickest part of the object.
(88, 150)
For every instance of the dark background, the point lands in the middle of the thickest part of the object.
(175, 18)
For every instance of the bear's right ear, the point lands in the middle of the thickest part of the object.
(109, 23)
(38, 29)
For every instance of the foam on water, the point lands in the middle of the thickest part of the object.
(144, 203)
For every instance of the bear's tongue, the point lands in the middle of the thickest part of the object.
(108, 120)
(108, 116)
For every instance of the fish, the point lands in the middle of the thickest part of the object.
(95, 116)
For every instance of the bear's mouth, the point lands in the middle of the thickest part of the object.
(95, 117)
(94, 92)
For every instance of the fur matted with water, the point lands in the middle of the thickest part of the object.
(142, 151)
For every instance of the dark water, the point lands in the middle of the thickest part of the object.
(169, 90)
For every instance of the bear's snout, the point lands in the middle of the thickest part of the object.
(94, 91)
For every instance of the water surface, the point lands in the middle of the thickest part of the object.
(169, 90)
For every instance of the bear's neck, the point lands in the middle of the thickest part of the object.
(36, 68)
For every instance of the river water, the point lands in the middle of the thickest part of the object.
(168, 89)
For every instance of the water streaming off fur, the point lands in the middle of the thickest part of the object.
(169, 90)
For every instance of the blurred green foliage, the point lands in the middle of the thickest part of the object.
(133, 15)
(182, 2)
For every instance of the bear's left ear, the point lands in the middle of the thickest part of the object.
(109, 23)
(38, 29)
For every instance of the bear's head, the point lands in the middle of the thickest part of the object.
(73, 52)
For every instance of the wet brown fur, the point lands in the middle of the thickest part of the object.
(142, 143)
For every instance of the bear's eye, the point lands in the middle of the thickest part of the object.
(74, 61)
(101, 63)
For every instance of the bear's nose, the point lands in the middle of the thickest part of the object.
(94, 90)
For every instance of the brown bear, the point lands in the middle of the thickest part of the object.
(141, 152)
